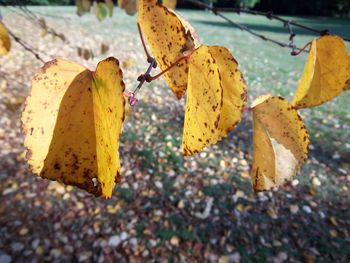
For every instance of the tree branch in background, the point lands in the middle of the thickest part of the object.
(25, 46)
(269, 15)
(33, 18)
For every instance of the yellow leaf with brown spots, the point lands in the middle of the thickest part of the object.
(72, 123)
(170, 38)
(5, 42)
(215, 98)
(170, 4)
(234, 89)
(326, 73)
(280, 142)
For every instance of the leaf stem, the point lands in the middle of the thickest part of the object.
(150, 78)
(242, 27)
(145, 77)
(149, 58)
(296, 53)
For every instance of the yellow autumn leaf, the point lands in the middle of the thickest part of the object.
(326, 73)
(128, 63)
(42, 23)
(170, 4)
(83, 6)
(5, 42)
(169, 37)
(72, 123)
(110, 6)
(234, 89)
(280, 142)
(121, 4)
(79, 4)
(61, 36)
(216, 96)
(85, 53)
(86, 5)
(80, 51)
(104, 48)
(130, 6)
(88, 54)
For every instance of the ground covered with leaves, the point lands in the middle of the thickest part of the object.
(167, 207)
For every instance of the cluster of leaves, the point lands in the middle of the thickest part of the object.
(104, 7)
(73, 117)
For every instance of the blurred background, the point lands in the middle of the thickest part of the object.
(287, 7)
(169, 208)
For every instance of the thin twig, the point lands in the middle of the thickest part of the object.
(145, 77)
(25, 46)
(36, 20)
(151, 78)
(291, 38)
(240, 26)
(143, 43)
(302, 49)
(32, 18)
(271, 16)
